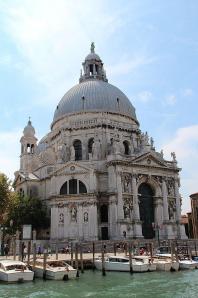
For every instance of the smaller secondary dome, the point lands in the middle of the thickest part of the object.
(29, 130)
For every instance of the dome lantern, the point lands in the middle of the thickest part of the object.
(93, 67)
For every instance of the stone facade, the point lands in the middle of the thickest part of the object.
(98, 172)
(194, 214)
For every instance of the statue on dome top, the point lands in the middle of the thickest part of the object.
(92, 47)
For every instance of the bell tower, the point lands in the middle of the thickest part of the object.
(28, 146)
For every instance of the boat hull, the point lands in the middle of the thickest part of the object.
(121, 267)
(13, 276)
(58, 274)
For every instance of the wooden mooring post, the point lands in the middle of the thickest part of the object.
(76, 259)
(151, 251)
(44, 265)
(14, 248)
(103, 261)
(34, 256)
(114, 248)
(72, 255)
(56, 250)
(195, 244)
(81, 259)
(130, 258)
(28, 251)
(93, 258)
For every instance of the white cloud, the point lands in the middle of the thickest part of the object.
(128, 65)
(144, 96)
(171, 99)
(47, 32)
(187, 92)
(185, 144)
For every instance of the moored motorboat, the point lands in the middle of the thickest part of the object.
(187, 264)
(168, 257)
(122, 264)
(162, 265)
(55, 269)
(15, 271)
(147, 260)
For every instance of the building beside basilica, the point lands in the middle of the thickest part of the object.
(97, 171)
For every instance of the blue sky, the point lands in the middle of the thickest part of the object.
(149, 49)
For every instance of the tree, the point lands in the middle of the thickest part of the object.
(5, 193)
(27, 210)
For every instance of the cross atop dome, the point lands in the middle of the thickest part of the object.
(93, 67)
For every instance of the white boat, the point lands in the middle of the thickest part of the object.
(15, 271)
(187, 264)
(122, 264)
(55, 269)
(169, 258)
(146, 260)
(162, 265)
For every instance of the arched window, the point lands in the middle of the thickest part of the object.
(28, 148)
(32, 148)
(82, 187)
(90, 144)
(78, 149)
(73, 186)
(63, 190)
(126, 147)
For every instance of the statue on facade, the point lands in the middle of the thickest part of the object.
(152, 142)
(171, 210)
(96, 149)
(126, 183)
(173, 156)
(73, 214)
(126, 211)
(72, 153)
(86, 217)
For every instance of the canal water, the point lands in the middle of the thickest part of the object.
(183, 284)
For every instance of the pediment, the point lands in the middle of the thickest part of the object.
(21, 177)
(72, 168)
(149, 159)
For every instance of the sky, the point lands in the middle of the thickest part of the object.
(149, 49)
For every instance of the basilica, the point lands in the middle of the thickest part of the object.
(98, 173)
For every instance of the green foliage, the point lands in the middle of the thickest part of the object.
(27, 210)
(5, 193)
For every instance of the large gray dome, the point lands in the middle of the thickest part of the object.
(94, 95)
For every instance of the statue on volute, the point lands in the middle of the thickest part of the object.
(72, 153)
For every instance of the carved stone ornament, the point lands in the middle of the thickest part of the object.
(126, 183)
(61, 218)
(171, 209)
(171, 187)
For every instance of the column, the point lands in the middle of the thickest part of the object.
(178, 201)
(136, 211)
(112, 218)
(135, 199)
(181, 230)
(120, 201)
(165, 200)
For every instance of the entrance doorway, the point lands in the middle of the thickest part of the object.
(146, 210)
(104, 233)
